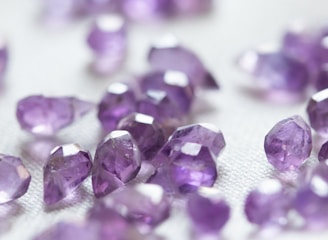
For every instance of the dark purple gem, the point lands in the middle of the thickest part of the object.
(317, 110)
(321, 81)
(323, 153)
(3, 57)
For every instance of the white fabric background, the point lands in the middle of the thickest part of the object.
(53, 62)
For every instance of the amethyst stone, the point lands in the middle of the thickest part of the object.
(208, 211)
(275, 70)
(46, 115)
(61, 10)
(168, 54)
(14, 178)
(146, 131)
(3, 57)
(321, 81)
(323, 153)
(268, 204)
(189, 7)
(288, 144)
(118, 102)
(67, 167)
(175, 84)
(318, 112)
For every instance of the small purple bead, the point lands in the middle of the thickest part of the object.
(288, 144)
(146, 131)
(46, 115)
(275, 70)
(208, 211)
(3, 57)
(67, 167)
(321, 80)
(14, 178)
(268, 204)
(118, 102)
(190, 7)
(317, 110)
(323, 153)
(168, 54)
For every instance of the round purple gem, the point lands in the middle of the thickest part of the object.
(14, 178)
(208, 211)
(317, 110)
(3, 57)
(288, 144)
(321, 81)
(268, 204)
(118, 102)
(67, 167)
(323, 153)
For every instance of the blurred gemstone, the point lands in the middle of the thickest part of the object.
(3, 57)
(288, 144)
(208, 211)
(275, 70)
(323, 153)
(321, 81)
(146, 131)
(14, 178)
(46, 115)
(99, 6)
(118, 102)
(190, 7)
(317, 110)
(67, 167)
(168, 54)
(268, 204)
(61, 10)
(175, 84)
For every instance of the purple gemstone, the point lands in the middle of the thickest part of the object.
(168, 54)
(288, 144)
(318, 112)
(46, 115)
(3, 57)
(118, 102)
(108, 40)
(99, 6)
(311, 200)
(142, 10)
(61, 10)
(190, 7)
(208, 211)
(175, 84)
(323, 153)
(321, 81)
(275, 70)
(268, 204)
(146, 131)
(67, 167)
(14, 178)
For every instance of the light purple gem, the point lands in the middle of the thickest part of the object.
(208, 211)
(67, 167)
(99, 6)
(288, 144)
(176, 85)
(311, 200)
(275, 70)
(189, 7)
(61, 10)
(46, 115)
(143, 10)
(14, 178)
(118, 102)
(108, 40)
(323, 153)
(3, 57)
(168, 54)
(268, 204)
(317, 110)
(321, 80)
(146, 131)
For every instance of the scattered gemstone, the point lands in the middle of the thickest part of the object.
(321, 81)
(118, 102)
(208, 211)
(14, 178)
(146, 131)
(67, 167)
(288, 144)
(323, 153)
(168, 54)
(3, 57)
(190, 7)
(46, 115)
(61, 10)
(99, 6)
(317, 110)
(268, 204)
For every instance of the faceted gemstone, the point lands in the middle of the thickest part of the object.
(321, 81)
(3, 57)
(67, 167)
(175, 84)
(288, 144)
(118, 102)
(189, 7)
(323, 153)
(146, 131)
(46, 115)
(168, 54)
(208, 211)
(311, 200)
(14, 178)
(318, 112)
(268, 204)
(107, 39)
(142, 10)
(275, 70)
